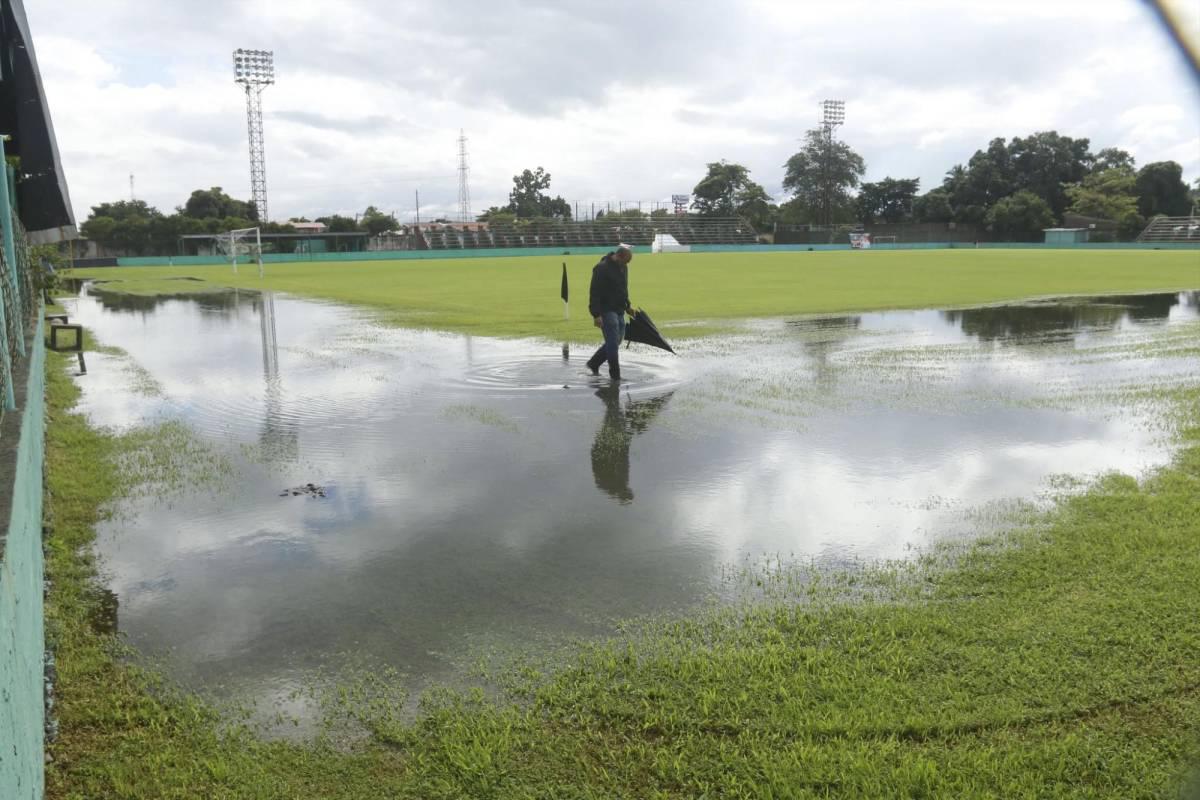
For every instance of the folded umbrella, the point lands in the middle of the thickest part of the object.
(641, 329)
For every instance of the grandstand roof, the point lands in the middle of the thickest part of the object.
(42, 198)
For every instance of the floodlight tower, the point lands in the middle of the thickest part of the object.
(833, 116)
(464, 189)
(255, 70)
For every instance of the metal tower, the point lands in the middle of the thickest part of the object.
(464, 190)
(255, 70)
(833, 115)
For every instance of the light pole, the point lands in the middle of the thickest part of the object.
(833, 114)
(255, 70)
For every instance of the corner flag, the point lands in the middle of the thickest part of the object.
(566, 307)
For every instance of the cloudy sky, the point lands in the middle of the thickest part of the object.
(618, 100)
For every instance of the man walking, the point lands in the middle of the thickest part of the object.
(608, 301)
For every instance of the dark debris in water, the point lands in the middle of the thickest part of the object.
(308, 489)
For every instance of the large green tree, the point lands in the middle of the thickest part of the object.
(530, 199)
(375, 222)
(125, 225)
(337, 223)
(215, 204)
(1109, 194)
(1113, 158)
(987, 177)
(1161, 190)
(822, 176)
(888, 200)
(1042, 163)
(1046, 162)
(726, 190)
(933, 206)
(1020, 217)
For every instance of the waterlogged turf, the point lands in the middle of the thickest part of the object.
(694, 294)
(484, 496)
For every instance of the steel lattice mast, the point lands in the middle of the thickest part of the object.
(255, 70)
(464, 189)
(833, 116)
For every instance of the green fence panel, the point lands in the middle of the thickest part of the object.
(22, 640)
(527, 252)
(370, 255)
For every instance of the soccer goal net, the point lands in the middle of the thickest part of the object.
(883, 239)
(243, 244)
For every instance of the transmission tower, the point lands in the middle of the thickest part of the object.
(255, 70)
(833, 115)
(464, 189)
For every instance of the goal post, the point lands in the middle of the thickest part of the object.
(243, 242)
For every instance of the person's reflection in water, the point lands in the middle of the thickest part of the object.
(610, 450)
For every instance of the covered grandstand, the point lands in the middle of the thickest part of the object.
(560, 235)
(603, 232)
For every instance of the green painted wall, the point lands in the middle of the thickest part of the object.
(526, 252)
(22, 641)
(383, 255)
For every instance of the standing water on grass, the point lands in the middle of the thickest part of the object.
(415, 498)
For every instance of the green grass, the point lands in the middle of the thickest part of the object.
(520, 296)
(1057, 660)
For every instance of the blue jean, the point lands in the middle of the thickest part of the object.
(613, 327)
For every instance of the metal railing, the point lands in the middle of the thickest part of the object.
(1172, 229)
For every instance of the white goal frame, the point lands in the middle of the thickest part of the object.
(888, 239)
(247, 239)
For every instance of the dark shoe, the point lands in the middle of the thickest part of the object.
(615, 374)
(593, 368)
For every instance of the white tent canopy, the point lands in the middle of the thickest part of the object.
(666, 243)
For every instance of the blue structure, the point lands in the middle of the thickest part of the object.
(1065, 236)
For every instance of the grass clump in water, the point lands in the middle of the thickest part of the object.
(482, 415)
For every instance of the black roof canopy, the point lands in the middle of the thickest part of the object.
(42, 198)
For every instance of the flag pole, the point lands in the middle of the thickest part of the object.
(563, 294)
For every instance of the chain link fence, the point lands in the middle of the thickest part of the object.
(19, 288)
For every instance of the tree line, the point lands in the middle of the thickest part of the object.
(1014, 187)
(137, 228)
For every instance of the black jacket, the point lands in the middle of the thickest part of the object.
(610, 286)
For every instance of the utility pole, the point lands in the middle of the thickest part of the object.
(132, 196)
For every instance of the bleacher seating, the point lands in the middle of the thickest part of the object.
(1171, 230)
(603, 232)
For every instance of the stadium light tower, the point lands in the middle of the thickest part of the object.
(464, 187)
(833, 115)
(255, 70)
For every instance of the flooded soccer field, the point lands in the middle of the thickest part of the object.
(471, 493)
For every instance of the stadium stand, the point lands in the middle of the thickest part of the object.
(558, 234)
(1165, 230)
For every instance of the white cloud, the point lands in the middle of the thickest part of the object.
(621, 101)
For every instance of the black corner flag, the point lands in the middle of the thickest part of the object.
(566, 307)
